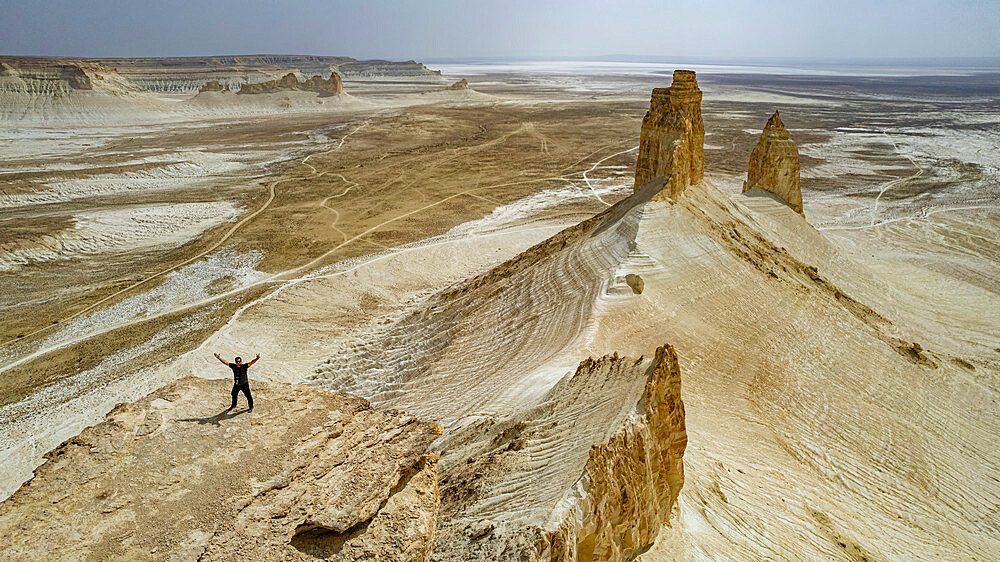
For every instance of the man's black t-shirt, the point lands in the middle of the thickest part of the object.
(239, 373)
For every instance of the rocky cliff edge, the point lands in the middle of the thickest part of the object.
(309, 475)
(592, 473)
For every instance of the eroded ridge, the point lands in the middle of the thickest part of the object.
(591, 473)
(309, 475)
(672, 141)
(451, 357)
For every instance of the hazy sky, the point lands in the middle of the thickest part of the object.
(519, 28)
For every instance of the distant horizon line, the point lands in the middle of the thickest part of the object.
(579, 58)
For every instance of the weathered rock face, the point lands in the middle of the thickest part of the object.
(631, 483)
(333, 85)
(462, 84)
(672, 141)
(309, 475)
(774, 164)
(551, 485)
(213, 86)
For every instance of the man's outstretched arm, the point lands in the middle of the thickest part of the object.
(254, 361)
(224, 362)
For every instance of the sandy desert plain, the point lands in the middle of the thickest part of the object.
(456, 253)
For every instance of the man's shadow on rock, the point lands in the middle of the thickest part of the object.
(217, 418)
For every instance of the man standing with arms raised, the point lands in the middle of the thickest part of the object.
(241, 382)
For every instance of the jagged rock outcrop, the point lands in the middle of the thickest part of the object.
(286, 82)
(672, 140)
(462, 84)
(554, 484)
(309, 475)
(333, 85)
(213, 86)
(774, 165)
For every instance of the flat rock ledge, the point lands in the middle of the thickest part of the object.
(309, 475)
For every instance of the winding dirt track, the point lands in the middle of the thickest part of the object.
(595, 166)
(890, 184)
(283, 277)
(270, 198)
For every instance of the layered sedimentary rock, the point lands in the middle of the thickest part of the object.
(332, 85)
(388, 70)
(774, 164)
(59, 76)
(558, 484)
(671, 143)
(72, 75)
(309, 475)
(188, 74)
(462, 84)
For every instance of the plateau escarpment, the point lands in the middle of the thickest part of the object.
(331, 86)
(376, 70)
(60, 76)
(774, 165)
(322, 476)
(177, 75)
(672, 139)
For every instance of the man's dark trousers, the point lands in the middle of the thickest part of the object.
(245, 389)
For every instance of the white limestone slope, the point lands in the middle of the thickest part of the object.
(818, 427)
(813, 432)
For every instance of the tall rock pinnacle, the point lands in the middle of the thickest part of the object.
(774, 164)
(672, 142)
